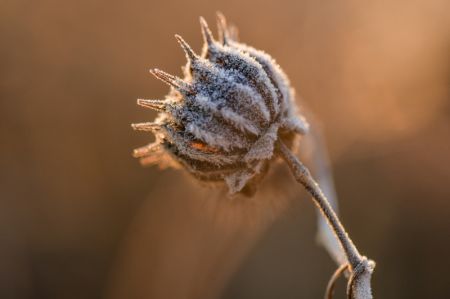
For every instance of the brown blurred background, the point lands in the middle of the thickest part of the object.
(79, 218)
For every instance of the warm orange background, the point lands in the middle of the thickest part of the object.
(79, 218)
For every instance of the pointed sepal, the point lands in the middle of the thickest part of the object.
(190, 54)
(157, 105)
(206, 32)
(148, 127)
(173, 81)
(146, 150)
(224, 36)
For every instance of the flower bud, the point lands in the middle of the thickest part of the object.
(221, 121)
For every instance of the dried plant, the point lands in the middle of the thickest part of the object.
(231, 115)
(222, 120)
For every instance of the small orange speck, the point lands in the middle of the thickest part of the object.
(203, 147)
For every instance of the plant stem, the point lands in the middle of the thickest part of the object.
(359, 265)
(303, 176)
(330, 287)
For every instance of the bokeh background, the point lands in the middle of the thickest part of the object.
(79, 218)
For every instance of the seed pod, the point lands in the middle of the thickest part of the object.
(220, 121)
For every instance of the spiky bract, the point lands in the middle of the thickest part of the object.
(220, 121)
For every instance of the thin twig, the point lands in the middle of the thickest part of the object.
(303, 176)
(330, 287)
(313, 148)
(360, 266)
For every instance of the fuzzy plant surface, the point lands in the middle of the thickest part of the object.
(231, 114)
(221, 120)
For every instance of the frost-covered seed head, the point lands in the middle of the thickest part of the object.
(221, 121)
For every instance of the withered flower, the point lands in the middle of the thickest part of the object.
(230, 115)
(221, 121)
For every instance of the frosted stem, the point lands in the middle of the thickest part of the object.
(361, 268)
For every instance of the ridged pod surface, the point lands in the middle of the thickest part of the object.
(221, 120)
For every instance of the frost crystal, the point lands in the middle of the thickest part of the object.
(220, 122)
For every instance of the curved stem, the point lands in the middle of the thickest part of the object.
(303, 176)
(360, 266)
(330, 287)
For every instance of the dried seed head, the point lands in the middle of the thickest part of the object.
(220, 122)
